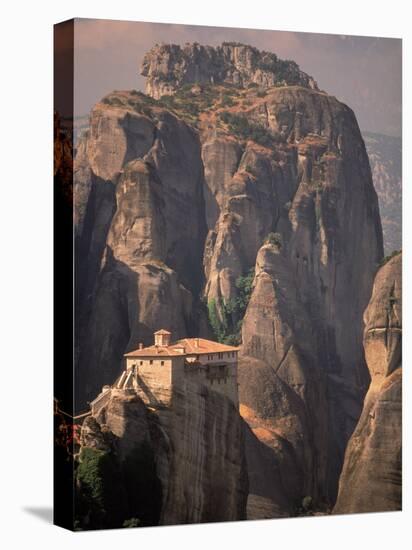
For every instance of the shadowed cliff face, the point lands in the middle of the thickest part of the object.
(178, 198)
(140, 229)
(371, 479)
(197, 449)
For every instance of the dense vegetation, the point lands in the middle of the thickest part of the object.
(191, 100)
(241, 127)
(101, 499)
(111, 494)
(274, 238)
(226, 317)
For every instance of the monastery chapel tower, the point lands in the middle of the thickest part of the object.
(155, 371)
(162, 338)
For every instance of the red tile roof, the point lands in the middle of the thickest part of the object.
(201, 345)
(192, 346)
(153, 351)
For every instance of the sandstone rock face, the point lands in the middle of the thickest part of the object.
(300, 186)
(141, 230)
(168, 66)
(197, 445)
(177, 203)
(371, 479)
(312, 187)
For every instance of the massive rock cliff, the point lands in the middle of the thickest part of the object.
(300, 182)
(243, 203)
(371, 479)
(169, 66)
(140, 229)
(196, 447)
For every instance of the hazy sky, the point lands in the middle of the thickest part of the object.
(363, 72)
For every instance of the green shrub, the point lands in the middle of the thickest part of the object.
(146, 111)
(227, 101)
(261, 93)
(241, 127)
(167, 101)
(113, 101)
(218, 325)
(226, 317)
(232, 340)
(307, 503)
(132, 522)
(386, 259)
(110, 494)
(101, 500)
(244, 284)
(274, 238)
(192, 109)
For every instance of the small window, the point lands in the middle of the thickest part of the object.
(162, 363)
(151, 361)
(141, 362)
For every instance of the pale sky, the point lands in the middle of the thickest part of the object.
(363, 72)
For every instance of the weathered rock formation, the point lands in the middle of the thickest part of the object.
(371, 479)
(196, 445)
(140, 228)
(302, 334)
(169, 66)
(179, 198)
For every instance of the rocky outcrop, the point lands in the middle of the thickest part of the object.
(140, 235)
(197, 448)
(182, 198)
(296, 184)
(306, 189)
(371, 479)
(169, 66)
(283, 391)
(300, 333)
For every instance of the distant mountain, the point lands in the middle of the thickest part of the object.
(385, 157)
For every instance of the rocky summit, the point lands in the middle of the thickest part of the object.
(180, 465)
(169, 66)
(234, 201)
